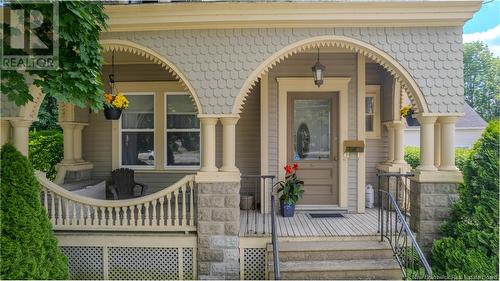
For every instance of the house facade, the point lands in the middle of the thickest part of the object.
(222, 90)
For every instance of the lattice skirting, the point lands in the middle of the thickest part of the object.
(132, 262)
(254, 263)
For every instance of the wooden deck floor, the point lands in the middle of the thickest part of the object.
(302, 225)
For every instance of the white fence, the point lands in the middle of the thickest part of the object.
(171, 209)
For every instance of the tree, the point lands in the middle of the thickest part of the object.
(29, 247)
(77, 80)
(469, 248)
(482, 79)
(47, 115)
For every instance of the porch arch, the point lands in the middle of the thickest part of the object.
(136, 49)
(385, 60)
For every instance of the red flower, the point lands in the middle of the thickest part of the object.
(295, 167)
(288, 169)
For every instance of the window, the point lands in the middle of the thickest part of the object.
(137, 131)
(372, 111)
(182, 132)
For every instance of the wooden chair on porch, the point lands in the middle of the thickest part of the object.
(123, 185)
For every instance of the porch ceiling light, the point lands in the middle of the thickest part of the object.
(318, 71)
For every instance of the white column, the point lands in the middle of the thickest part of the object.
(77, 142)
(229, 143)
(447, 143)
(20, 135)
(390, 139)
(426, 143)
(399, 143)
(437, 144)
(208, 144)
(68, 142)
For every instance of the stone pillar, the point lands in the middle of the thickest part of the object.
(218, 230)
(5, 132)
(447, 143)
(208, 144)
(430, 206)
(229, 144)
(399, 143)
(437, 144)
(426, 143)
(68, 142)
(20, 135)
(391, 142)
(77, 142)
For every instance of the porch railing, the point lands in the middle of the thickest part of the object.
(260, 188)
(171, 209)
(393, 226)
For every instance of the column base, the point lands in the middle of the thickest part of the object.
(448, 168)
(207, 177)
(437, 176)
(430, 168)
(82, 171)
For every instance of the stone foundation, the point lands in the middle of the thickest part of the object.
(218, 230)
(430, 206)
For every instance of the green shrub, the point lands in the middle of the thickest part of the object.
(469, 248)
(29, 247)
(45, 151)
(412, 156)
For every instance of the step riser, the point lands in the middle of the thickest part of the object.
(333, 255)
(391, 274)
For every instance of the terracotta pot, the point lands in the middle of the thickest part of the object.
(287, 210)
(246, 202)
(112, 113)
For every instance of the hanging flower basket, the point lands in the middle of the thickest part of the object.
(114, 105)
(112, 113)
(407, 112)
(411, 121)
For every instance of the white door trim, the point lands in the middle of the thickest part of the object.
(305, 84)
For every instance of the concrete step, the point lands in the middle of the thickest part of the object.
(380, 269)
(332, 250)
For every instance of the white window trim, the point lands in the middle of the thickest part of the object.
(165, 132)
(120, 131)
(374, 92)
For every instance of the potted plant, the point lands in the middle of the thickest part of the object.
(113, 105)
(407, 112)
(290, 190)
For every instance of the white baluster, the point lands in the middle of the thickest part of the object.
(66, 213)
(59, 211)
(81, 214)
(169, 210)
(139, 215)
(53, 208)
(132, 212)
(124, 215)
(73, 217)
(146, 215)
(87, 215)
(162, 213)
(45, 201)
(176, 213)
(191, 204)
(153, 219)
(96, 216)
(184, 203)
(109, 214)
(101, 218)
(116, 219)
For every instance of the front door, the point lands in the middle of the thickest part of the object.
(313, 140)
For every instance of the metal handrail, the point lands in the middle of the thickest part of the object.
(401, 239)
(274, 239)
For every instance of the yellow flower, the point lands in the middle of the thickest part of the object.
(405, 111)
(120, 102)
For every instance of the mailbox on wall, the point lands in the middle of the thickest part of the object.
(354, 146)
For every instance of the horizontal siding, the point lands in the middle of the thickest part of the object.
(96, 145)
